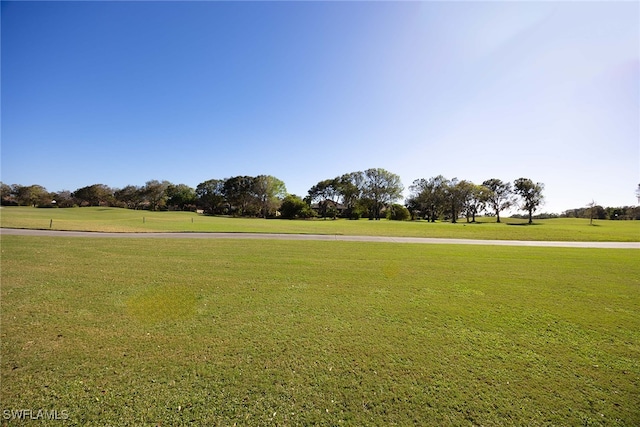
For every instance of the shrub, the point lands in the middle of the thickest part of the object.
(294, 207)
(354, 213)
(398, 213)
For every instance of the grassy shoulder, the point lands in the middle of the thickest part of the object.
(124, 220)
(124, 332)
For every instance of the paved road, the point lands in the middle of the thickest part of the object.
(423, 240)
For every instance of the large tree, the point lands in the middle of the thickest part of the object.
(347, 189)
(428, 197)
(155, 193)
(32, 195)
(458, 195)
(350, 188)
(211, 196)
(381, 188)
(181, 196)
(7, 195)
(530, 194)
(325, 193)
(239, 193)
(294, 207)
(475, 203)
(269, 192)
(131, 196)
(94, 195)
(500, 195)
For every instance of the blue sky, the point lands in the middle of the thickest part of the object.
(124, 92)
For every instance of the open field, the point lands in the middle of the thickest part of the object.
(124, 220)
(268, 332)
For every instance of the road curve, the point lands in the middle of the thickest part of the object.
(318, 237)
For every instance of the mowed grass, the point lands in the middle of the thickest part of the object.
(266, 332)
(125, 220)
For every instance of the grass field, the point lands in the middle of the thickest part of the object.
(251, 332)
(114, 219)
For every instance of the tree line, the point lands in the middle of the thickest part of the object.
(439, 197)
(240, 195)
(373, 193)
(356, 194)
(365, 193)
(595, 211)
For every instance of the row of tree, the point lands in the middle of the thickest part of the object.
(240, 195)
(356, 194)
(365, 193)
(439, 197)
(595, 211)
(371, 193)
(432, 199)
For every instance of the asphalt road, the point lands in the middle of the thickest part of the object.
(319, 237)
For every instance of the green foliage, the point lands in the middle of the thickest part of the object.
(238, 193)
(94, 195)
(499, 197)
(5, 194)
(294, 207)
(599, 212)
(623, 213)
(130, 196)
(530, 193)
(358, 192)
(181, 197)
(326, 194)
(132, 332)
(63, 199)
(269, 192)
(211, 196)
(241, 195)
(398, 212)
(356, 213)
(351, 190)
(428, 197)
(31, 195)
(155, 194)
(381, 188)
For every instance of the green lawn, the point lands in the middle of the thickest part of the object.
(253, 332)
(114, 219)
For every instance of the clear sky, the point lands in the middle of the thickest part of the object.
(124, 92)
